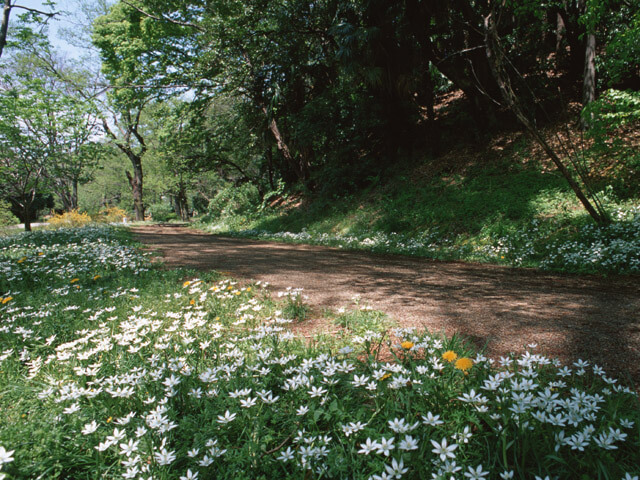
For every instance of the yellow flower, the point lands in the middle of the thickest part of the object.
(248, 289)
(407, 345)
(96, 277)
(450, 356)
(237, 293)
(5, 300)
(385, 376)
(229, 287)
(186, 284)
(22, 259)
(192, 302)
(75, 280)
(464, 364)
(40, 253)
(109, 419)
(217, 318)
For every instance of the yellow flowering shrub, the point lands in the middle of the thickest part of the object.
(74, 218)
(110, 215)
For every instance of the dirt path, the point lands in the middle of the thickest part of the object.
(568, 316)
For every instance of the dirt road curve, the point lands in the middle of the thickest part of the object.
(569, 317)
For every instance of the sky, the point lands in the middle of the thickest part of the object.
(57, 23)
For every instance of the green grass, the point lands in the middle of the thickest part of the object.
(132, 371)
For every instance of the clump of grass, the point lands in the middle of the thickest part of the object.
(294, 307)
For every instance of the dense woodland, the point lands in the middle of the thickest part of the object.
(193, 100)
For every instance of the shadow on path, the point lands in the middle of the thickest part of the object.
(568, 316)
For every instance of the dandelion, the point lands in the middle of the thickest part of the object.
(407, 345)
(449, 356)
(464, 364)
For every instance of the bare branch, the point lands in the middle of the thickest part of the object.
(39, 12)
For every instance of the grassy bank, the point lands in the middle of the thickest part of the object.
(514, 213)
(110, 368)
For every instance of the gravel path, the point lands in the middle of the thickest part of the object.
(502, 309)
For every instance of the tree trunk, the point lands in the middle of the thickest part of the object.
(74, 194)
(26, 212)
(589, 78)
(4, 27)
(284, 148)
(135, 181)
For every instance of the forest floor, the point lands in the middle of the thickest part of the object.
(497, 308)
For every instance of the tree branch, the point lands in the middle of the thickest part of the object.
(164, 19)
(39, 12)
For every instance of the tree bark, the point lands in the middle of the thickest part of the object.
(4, 27)
(589, 77)
(135, 181)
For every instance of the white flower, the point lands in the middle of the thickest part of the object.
(164, 457)
(369, 446)
(189, 476)
(5, 456)
(89, 428)
(476, 474)
(443, 449)
(386, 446)
(507, 475)
(227, 418)
(397, 469)
(248, 402)
(431, 419)
(409, 443)
(129, 448)
(302, 410)
(286, 455)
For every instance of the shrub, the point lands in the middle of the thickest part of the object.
(162, 212)
(74, 218)
(235, 200)
(6, 217)
(110, 215)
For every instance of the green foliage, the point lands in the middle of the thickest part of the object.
(234, 200)
(7, 218)
(162, 212)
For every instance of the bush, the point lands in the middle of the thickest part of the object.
(233, 200)
(74, 218)
(110, 215)
(162, 212)
(6, 217)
